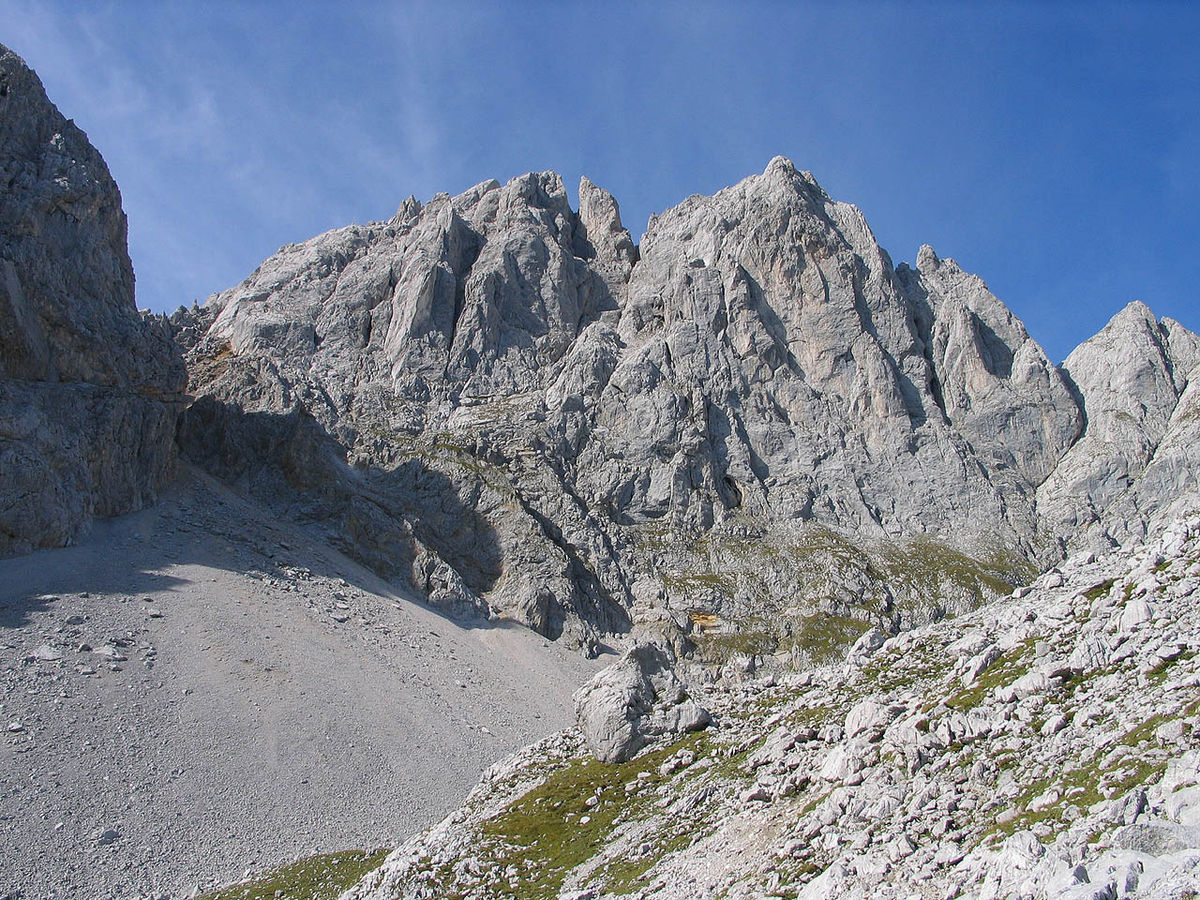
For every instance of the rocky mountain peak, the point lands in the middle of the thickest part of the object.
(756, 363)
(781, 170)
(927, 260)
(408, 210)
(1130, 378)
(65, 274)
(1130, 366)
(749, 446)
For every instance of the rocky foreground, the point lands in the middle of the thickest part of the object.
(1047, 745)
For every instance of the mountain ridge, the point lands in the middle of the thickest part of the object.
(755, 362)
(750, 440)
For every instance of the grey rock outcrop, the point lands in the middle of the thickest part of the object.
(1136, 459)
(993, 382)
(634, 702)
(421, 350)
(920, 770)
(89, 388)
(756, 374)
(776, 366)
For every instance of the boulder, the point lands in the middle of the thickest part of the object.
(634, 702)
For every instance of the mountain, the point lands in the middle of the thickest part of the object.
(1137, 459)
(749, 452)
(752, 420)
(89, 389)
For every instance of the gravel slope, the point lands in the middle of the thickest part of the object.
(194, 691)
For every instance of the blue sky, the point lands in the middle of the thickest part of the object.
(1051, 148)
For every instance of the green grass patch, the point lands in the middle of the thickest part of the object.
(1144, 731)
(1005, 670)
(893, 671)
(692, 582)
(1086, 785)
(621, 875)
(541, 837)
(926, 563)
(322, 877)
(809, 717)
(720, 648)
(824, 637)
(1096, 591)
(1159, 673)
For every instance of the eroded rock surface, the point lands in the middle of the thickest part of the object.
(1132, 379)
(88, 387)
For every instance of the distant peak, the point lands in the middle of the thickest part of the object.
(1134, 312)
(1138, 308)
(548, 182)
(409, 209)
(598, 209)
(780, 165)
(927, 259)
(782, 171)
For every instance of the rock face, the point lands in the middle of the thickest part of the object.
(634, 702)
(1044, 746)
(88, 388)
(1138, 455)
(566, 427)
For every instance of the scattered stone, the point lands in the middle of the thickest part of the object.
(47, 653)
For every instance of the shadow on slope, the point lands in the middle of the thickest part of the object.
(411, 524)
(17, 612)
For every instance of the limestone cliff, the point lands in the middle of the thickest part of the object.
(88, 387)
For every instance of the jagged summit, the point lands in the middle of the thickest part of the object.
(927, 259)
(784, 170)
(756, 365)
(1130, 465)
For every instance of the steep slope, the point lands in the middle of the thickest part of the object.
(89, 390)
(994, 382)
(507, 405)
(416, 354)
(1045, 746)
(809, 390)
(196, 690)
